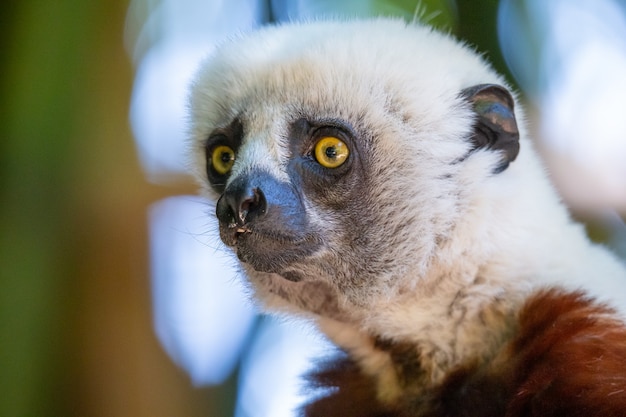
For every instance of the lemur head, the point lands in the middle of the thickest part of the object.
(344, 156)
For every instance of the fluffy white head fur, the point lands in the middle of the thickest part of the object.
(447, 250)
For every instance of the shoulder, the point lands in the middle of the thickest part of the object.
(567, 358)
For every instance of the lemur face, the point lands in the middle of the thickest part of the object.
(340, 165)
(277, 222)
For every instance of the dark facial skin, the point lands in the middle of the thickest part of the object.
(265, 219)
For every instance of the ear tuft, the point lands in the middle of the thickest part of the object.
(495, 127)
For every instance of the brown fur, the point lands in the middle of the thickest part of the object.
(571, 356)
(352, 394)
(568, 358)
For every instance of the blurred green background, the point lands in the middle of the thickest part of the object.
(76, 334)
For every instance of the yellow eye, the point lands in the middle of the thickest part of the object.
(331, 152)
(222, 159)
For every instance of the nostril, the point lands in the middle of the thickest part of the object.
(224, 211)
(240, 205)
(252, 206)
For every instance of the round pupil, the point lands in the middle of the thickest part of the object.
(226, 157)
(331, 152)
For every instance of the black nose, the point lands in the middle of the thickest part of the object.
(241, 203)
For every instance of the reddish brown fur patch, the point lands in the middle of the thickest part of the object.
(568, 358)
(352, 394)
(571, 358)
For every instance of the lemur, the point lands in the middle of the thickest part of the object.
(376, 177)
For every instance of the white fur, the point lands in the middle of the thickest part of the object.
(500, 237)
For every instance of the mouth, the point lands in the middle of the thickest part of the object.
(230, 234)
(269, 250)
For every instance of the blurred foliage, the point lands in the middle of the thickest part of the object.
(41, 71)
(441, 14)
(75, 328)
(478, 26)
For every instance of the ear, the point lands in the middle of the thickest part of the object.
(495, 126)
